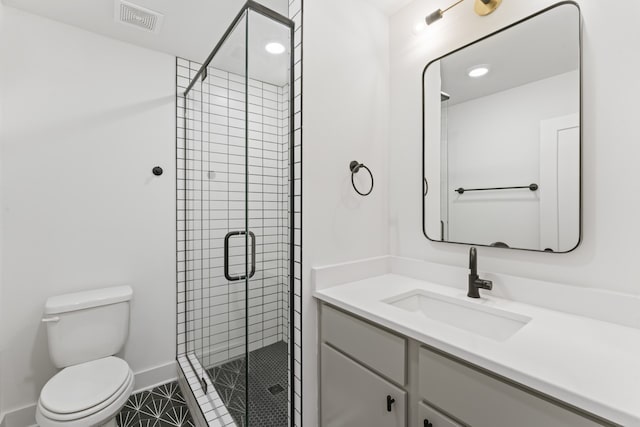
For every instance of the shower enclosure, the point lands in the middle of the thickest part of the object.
(236, 224)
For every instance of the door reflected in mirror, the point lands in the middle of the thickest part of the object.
(501, 137)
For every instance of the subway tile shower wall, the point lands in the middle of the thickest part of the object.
(211, 192)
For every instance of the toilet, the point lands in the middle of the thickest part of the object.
(84, 331)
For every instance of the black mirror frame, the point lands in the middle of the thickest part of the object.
(580, 114)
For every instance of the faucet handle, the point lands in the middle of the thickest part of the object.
(485, 284)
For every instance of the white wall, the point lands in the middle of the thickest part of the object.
(607, 256)
(88, 118)
(498, 150)
(345, 118)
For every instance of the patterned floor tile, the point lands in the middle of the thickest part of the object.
(166, 391)
(137, 401)
(177, 416)
(154, 408)
(146, 423)
(127, 418)
(164, 406)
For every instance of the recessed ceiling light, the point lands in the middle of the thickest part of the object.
(274, 48)
(478, 71)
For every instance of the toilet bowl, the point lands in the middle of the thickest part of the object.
(84, 395)
(84, 331)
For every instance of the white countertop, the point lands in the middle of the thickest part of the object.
(590, 364)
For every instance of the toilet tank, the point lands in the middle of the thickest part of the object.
(87, 325)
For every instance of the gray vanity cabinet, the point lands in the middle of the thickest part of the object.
(352, 395)
(373, 377)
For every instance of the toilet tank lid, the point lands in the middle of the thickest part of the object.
(87, 299)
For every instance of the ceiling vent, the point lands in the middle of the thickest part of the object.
(137, 16)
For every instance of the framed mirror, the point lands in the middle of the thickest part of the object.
(502, 137)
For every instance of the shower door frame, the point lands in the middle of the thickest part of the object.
(252, 5)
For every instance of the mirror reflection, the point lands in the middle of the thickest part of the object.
(502, 137)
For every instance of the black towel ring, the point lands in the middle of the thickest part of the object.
(355, 167)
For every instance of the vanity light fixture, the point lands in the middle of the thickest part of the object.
(274, 48)
(482, 8)
(478, 71)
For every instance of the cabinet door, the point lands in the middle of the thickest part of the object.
(351, 395)
(429, 417)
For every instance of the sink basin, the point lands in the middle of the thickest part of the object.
(473, 317)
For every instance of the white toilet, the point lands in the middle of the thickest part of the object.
(84, 331)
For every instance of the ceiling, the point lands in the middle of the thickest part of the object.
(389, 7)
(190, 28)
(542, 47)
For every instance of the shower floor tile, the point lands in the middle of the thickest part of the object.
(163, 406)
(268, 399)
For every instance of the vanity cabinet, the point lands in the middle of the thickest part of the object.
(352, 395)
(371, 377)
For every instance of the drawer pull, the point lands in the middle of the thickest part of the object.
(390, 401)
(427, 423)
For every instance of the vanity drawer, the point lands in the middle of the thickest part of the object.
(429, 417)
(481, 400)
(378, 349)
(353, 396)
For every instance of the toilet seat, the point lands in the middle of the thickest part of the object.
(85, 394)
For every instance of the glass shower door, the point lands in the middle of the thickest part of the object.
(238, 219)
(231, 250)
(269, 127)
(219, 247)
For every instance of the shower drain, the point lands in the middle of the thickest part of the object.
(275, 389)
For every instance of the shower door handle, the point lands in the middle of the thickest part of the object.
(226, 255)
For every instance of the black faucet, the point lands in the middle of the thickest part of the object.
(475, 282)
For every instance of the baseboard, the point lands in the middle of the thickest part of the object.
(154, 377)
(145, 380)
(23, 417)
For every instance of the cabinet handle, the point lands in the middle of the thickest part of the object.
(427, 423)
(390, 401)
